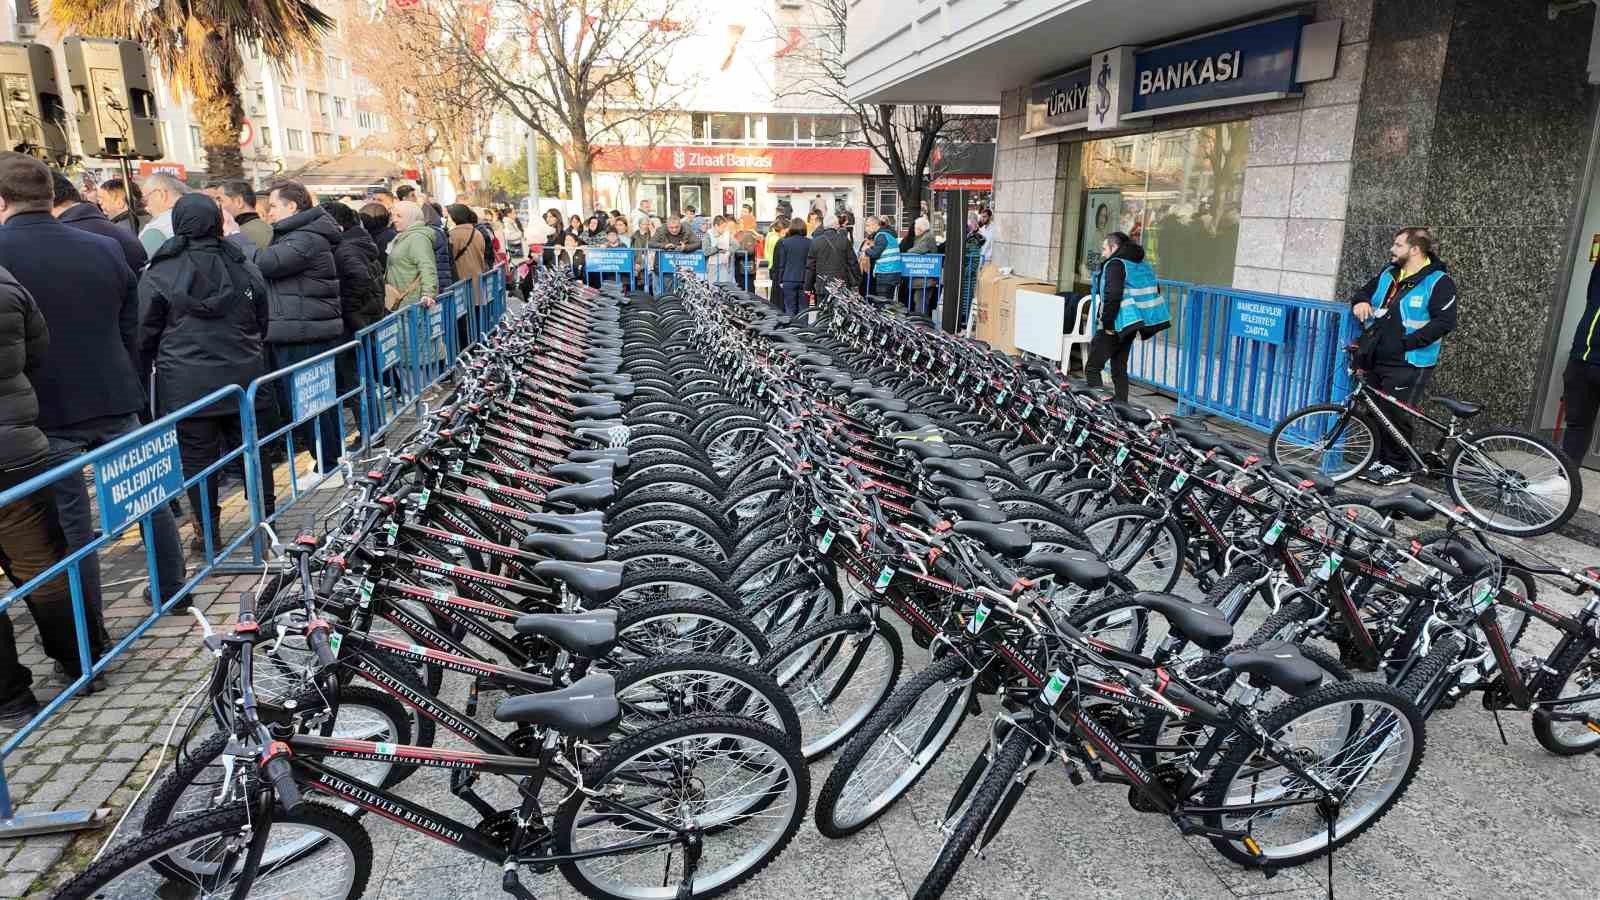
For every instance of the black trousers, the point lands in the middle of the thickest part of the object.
(31, 540)
(1581, 384)
(1406, 384)
(1115, 348)
(202, 440)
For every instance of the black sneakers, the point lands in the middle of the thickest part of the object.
(1385, 475)
(16, 712)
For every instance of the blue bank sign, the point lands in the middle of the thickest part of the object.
(138, 478)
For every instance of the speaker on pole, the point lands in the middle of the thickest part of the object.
(33, 116)
(110, 82)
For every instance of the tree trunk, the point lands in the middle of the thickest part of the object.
(220, 114)
(586, 180)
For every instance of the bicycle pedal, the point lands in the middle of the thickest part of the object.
(513, 886)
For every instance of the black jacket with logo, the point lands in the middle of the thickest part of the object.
(1393, 342)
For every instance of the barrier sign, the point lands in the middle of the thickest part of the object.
(389, 345)
(313, 389)
(142, 477)
(608, 260)
(923, 265)
(436, 315)
(1257, 321)
(683, 262)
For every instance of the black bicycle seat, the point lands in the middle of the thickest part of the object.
(956, 468)
(1279, 664)
(1082, 569)
(872, 391)
(586, 547)
(1134, 415)
(569, 523)
(909, 419)
(925, 449)
(584, 496)
(1201, 623)
(834, 379)
(584, 472)
(617, 456)
(1040, 370)
(596, 582)
(1461, 409)
(591, 399)
(587, 709)
(1301, 474)
(1006, 540)
(968, 490)
(617, 391)
(590, 635)
(886, 404)
(974, 510)
(1472, 561)
(1403, 506)
(610, 409)
(817, 359)
(1189, 423)
(608, 367)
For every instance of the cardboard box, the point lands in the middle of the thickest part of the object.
(995, 306)
(985, 301)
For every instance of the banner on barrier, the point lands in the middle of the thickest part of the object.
(923, 265)
(1257, 321)
(143, 476)
(608, 261)
(389, 344)
(313, 389)
(436, 318)
(683, 262)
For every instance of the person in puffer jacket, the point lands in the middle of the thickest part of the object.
(360, 290)
(433, 215)
(303, 287)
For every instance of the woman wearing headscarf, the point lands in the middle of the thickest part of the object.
(204, 319)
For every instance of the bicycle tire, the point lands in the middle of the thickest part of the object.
(639, 615)
(1349, 468)
(1576, 655)
(1568, 473)
(822, 648)
(779, 713)
(1424, 684)
(1003, 771)
(1149, 576)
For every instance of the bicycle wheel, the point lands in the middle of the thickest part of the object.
(838, 672)
(738, 785)
(334, 862)
(1002, 780)
(895, 748)
(1577, 673)
(1365, 739)
(1141, 543)
(1431, 678)
(1326, 437)
(690, 625)
(668, 688)
(1514, 483)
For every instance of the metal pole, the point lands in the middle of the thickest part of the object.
(533, 174)
(955, 251)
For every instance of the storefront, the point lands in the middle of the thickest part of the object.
(721, 180)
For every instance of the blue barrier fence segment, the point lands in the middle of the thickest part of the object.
(1157, 361)
(135, 465)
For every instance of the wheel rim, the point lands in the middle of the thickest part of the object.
(1318, 440)
(730, 447)
(1585, 679)
(682, 632)
(1511, 483)
(1139, 548)
(903, 751)
(321, 866)
(676, 693)
(835, 681)
(681, 533)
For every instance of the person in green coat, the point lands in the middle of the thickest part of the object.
(411, 266)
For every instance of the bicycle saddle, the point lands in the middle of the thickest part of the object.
(1472, 562)
(588, 398)
(1201, 623)
(955, 468)
(925, 450)
(909, 419)
(615, 391)
(1133, 415)
(975, 510)
(600, 368)
(569, 523)
(584, 472)
(617, 456)
(596, 429)
(1403, 506)
(596, 582)
(583, 547)
(1039, 370)
(584, 496)
(1082, 569)
(818, 359)
(833, 379)
(1005, 540)
(1279, 664)
(886, 405)
(1321, 482)
(871, 390)
(1189, 423)
(588, 709)
(608, 410)
(1460, 408)
(597, 378)
(967, 490)
(590, 635)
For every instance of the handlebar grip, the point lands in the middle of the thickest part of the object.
(247, 606)
(317, 637)
(1440, 563)
(281, 774)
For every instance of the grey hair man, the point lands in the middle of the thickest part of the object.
(161, 193)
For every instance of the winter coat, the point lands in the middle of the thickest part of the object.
(360, 279)
(681, 242)
(444, 267)
(925, 243)
(204, 311)
(88, 217)
(719, 256)
(1413, 315)
(303, 279)
(411, 264)
(789, 260)
(466, 250)
(24, 338)
(831, 256)
(382, 239)
(90, 301)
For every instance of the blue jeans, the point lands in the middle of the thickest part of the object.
(793, 298)
(332, 436)
(77, 520)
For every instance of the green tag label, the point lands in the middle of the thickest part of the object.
(1082, 436)
(816, 514)
(1027, 410)
(441, 596)
(384, 749)
(1054, 687)
(473, 447)
(1482, 601)
(1000, 398)
(1274, 531)
(826, 542)
(366, 591)
(1329, 566)
(1071, 421)
(456, 466)
(1122, 455)
(884, 577)
(334, 640)
(391, 530)
(1179, 482)
(422, 498)
(979, 616)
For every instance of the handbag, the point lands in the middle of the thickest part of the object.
(393, 295)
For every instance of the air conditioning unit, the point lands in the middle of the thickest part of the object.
(791, 4)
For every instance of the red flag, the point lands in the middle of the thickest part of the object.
(479, 15)
(795, 41)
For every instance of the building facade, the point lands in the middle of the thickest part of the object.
(1278, 147)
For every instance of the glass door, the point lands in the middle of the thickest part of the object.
(735, 195)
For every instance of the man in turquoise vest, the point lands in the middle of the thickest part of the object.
(1413, 302)
(883, 256)
(1131, 306)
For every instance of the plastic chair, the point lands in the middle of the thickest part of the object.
(1081, 332)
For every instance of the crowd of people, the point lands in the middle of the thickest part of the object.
(127, 302)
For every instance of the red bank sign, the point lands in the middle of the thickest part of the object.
(788, 160)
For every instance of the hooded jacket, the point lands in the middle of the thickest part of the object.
(466, 250)
(445, 270)
(681, 242)
(303, 279)
(205, 312)
(360, 279)
(88, 217)
(411, 266)
(1113, 280)
(1399, 344)
(831, 256)
(24, 338)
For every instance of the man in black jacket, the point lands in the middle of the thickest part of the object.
(71, 209)
(303, 283)
(832, 256)
(31, 539)
(90, 388)
(1413, 304)
(1581, 380)
(114, 203)
(360, 287)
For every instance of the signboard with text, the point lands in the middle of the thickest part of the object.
(313, 389)
(795, 160)
(1225, 67)
(1058, 104)
(1258, 320)
(138, 479)
(923, 265)
(389, 345)
(607, 260)
(683, 262)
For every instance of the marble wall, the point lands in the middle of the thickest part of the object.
(1474, 121)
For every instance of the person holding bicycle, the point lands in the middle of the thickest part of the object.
(1413, 304)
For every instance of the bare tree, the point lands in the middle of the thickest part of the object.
(811, 72)
(583, 74)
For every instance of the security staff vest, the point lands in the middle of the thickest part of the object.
(1413, 309)
(889, 262)
(1142, 303)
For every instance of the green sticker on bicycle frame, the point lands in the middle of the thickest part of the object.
(884, 577)
(816, 514)
(1027, 410)
(384, 749)
(1122, 455)
(1483, 600)
(1329, 565)
(979, 616)
(1082, 436)
(1179, 482)
(334, 640)
(1274, 531)
(367, 587)
(826, 542)
(1071, 421)
(391, 530)
(1054, 687)
(423, 496)
(1000, 398)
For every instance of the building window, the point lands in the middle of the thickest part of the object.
(344, 144)
(782, 129)
(260, 99)
(364, 119)
(294, 139)
(321, 143)
(833, 130)
(726, 127)
(1177, 193)
(290, 96)
(341, 108)
(266, 138)
(197, 149)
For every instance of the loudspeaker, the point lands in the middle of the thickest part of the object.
(33, 118)
(110, 82)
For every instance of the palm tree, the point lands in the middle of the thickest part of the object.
(197, 44)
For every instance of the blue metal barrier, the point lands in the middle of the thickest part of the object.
(1156, 361)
